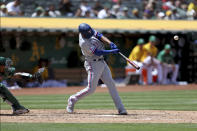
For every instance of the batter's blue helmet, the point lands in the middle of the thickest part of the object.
(86, 30)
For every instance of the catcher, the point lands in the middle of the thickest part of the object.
(8, 72)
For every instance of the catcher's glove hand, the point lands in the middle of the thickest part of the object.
(38, 75)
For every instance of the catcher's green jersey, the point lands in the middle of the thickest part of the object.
(8, 72)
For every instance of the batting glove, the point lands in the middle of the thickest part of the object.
(98, 35)
(115, 51)
(113, 46)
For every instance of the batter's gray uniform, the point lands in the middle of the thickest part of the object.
(97, 69)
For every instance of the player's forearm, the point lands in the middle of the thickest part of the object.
(105, 40)
(105, 52)
(102, 38)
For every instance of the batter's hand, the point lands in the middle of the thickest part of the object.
(113, 46)
(98, 35)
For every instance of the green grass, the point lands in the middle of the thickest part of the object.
(94, 127)
(157, 100)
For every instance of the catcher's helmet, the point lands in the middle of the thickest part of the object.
(86, 30)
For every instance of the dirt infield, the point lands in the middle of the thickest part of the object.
(100, 116)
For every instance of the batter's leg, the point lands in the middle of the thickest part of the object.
(106, 77)
(92, 84)
(93, 77)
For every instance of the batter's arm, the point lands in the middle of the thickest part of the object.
(105, 40)
(102, 38)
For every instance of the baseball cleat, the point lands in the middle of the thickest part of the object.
(70, 106)
(20, 111)
(123, 112)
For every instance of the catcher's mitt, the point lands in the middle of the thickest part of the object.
(38, 75)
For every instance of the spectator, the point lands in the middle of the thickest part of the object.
(115, 12)
(97, 7)
(168, 15)
(192, 10)
(168, 65)
(53, 12)
(175, 14)
(172, 15)
(104, 13)
(181, 11)
(148, 12)
(65, 7)
(167, 5)
(177, 7)
(46, 13)
(14, 8)
(39, 12)
(135, 13)
(160, 15)
(117, 9)
(118, 3)
(124, 14)
(89, 14)
(3, 11)
(82, 9)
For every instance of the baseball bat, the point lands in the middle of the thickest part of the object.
(130, 62)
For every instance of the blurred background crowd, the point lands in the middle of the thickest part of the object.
(117, 9)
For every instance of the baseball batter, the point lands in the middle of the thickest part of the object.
(8, 72)
(92, 47)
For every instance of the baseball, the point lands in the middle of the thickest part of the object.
(176, 37)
